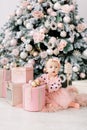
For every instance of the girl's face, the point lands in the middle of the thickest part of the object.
(52, 68)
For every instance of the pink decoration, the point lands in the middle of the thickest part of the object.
(31, 61)
(33, 98)
(43, 30)
(49, 10)
(23, 39)
(13, 42)
(43, 54)
(53, 13)
(81, 27)
(60, 25)
(15, 52)
(29, 7)
(38, 37)
(66, 8)
(25, 4)
(37, 14)
(4, 61)
(40, 1)
(52, 40)
(75, 68)
(61, 45)
(82, 75)
(72, 7)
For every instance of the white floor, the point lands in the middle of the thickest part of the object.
(12, 118)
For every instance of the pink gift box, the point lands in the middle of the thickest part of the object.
(33, 98)
(1, 82)
(21, 74)
(1, 89)
(4, 85)
(6, 75)
(14, 93)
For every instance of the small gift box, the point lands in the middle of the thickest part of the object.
(21, 74)
(1, 82)
(14, 93)
(33, 98)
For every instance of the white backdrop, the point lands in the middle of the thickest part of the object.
(7, 7)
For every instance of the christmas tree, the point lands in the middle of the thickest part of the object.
(40, 29)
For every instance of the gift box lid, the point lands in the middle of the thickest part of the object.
(22, 68)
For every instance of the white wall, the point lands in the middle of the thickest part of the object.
(82, 8)
(7, 7)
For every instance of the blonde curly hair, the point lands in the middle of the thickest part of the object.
(54, 59)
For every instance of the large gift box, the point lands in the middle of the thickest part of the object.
(33, 98)
(14, 93)
(21, 74)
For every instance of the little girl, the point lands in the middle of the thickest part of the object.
(58, 98)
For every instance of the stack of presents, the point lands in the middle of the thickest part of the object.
(15, 88)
